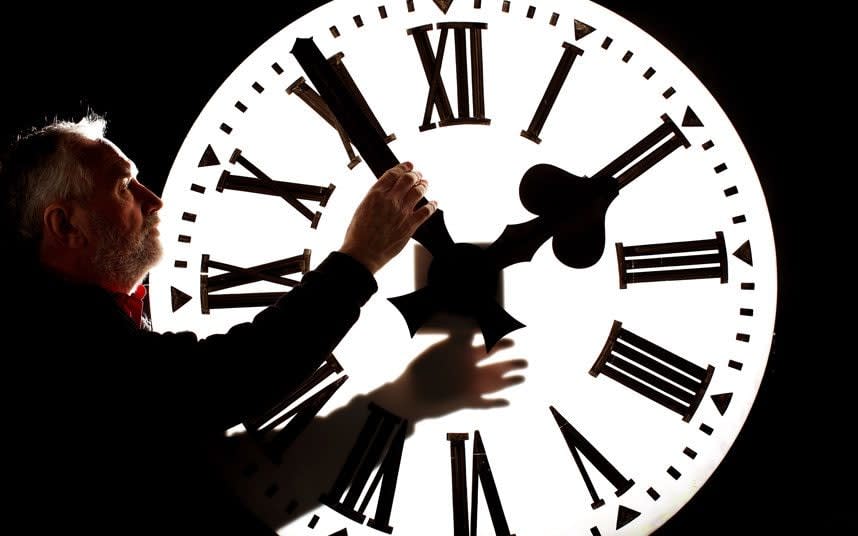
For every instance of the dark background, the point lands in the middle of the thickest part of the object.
(151, 70)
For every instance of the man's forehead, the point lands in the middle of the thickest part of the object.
(109, 159)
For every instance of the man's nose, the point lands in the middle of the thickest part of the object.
(148, 200)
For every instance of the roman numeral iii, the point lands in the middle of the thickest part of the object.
(673, 261)
(650, 370)
(235, 276)
(466, 96)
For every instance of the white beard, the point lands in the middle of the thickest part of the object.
(122, 260)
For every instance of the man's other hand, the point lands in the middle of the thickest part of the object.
(387, 217)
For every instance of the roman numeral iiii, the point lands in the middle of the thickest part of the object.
(650, 370)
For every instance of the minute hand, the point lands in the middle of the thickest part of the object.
(460, 280)
(572, 209)
(366, 138)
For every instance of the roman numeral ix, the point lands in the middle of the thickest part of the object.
(235, 276)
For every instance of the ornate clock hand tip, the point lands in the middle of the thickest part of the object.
(305, 43)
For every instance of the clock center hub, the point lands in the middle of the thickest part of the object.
(464, 279)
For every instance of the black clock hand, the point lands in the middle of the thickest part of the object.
(363, 134)
(460, 279)
(572, 209)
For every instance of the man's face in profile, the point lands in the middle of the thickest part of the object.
(123, 215)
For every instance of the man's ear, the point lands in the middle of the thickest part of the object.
(61, 225)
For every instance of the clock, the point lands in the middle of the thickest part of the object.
(571, 346)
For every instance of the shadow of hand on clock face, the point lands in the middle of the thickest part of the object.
(448, 376)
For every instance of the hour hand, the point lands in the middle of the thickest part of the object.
(570, 209)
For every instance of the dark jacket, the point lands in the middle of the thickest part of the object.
(110, 424)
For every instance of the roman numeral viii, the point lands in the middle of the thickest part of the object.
(235, 276)
(650, 370)
(312, 99)
(481, 473)
(673, 261)
(432, 61)
(379, 444)
(262, 184)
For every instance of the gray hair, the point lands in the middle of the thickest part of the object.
(44, 166)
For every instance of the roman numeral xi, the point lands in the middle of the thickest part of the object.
(312, 99)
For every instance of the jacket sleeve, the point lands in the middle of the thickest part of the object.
(224, 378)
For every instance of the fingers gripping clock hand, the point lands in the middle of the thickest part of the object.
(387, 217)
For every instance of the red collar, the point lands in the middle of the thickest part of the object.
(132, 304)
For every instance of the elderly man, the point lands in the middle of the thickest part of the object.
(111, 421)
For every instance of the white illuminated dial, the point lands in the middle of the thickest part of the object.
(641, 368)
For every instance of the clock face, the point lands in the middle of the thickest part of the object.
(643, 360)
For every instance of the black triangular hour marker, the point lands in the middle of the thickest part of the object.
(690, 119)
(178, 298)
(625, 516)
(443, 5)
(744, 253)
(722, 402)
(209, 158)
(582, 29)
